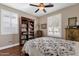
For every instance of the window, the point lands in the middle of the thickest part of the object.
(54, 25)
(9, 22)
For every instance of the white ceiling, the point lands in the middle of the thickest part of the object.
(31, 9)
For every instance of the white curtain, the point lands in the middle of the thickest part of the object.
(54, 25)
(9, 22)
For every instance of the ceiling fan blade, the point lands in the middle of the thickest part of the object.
(44, 10)
(37, 10)
(33, 5)
(49, 5)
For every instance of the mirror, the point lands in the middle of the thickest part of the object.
(72, 21)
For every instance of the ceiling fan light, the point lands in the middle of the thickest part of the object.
(41, 8)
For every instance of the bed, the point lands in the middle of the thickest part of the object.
(47, 46)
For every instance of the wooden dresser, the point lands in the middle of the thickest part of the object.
(72, 34)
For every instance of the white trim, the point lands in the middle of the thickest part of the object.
(9, 46)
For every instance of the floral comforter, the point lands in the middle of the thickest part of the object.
(47, 46)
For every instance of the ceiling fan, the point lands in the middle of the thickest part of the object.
(41, 6)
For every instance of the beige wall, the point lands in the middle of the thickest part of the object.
(6, 40)
(43, 20)
(66, 13)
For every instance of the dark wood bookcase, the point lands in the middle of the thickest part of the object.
(26, 30)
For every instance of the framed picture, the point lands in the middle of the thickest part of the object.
(72, 21)
(43, 26)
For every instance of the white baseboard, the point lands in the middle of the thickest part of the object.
(9, 46)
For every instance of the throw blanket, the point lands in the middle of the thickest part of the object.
(47, 46)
